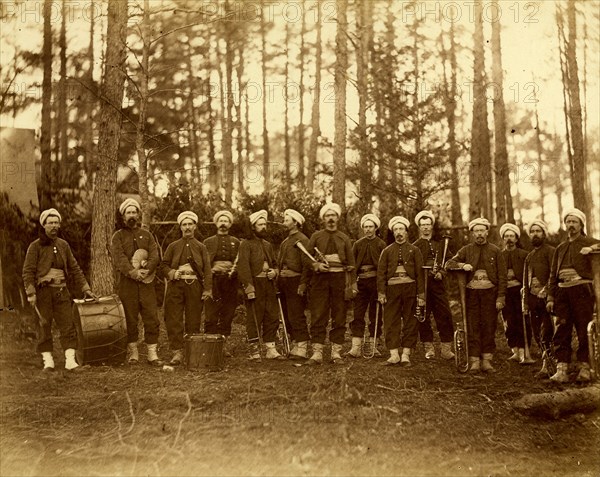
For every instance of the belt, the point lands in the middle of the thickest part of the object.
(369, 274)
(186, 273)
(335, 270)
(287, 273)
(53, 282)
(573, 283)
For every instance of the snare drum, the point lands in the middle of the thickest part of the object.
(204, 351)
(101, 330)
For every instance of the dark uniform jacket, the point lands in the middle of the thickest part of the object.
(517, 259)
(290, 257)
(252, 254)
(38, 262)
(412, 262)
(229, 247)
(537, 263)
(177, 254)
(343, 247)
(362, 246)
(487, 256)
(124, 244)
(581, 263)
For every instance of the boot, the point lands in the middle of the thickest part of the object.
(429, 350)
(336, 353)
(474, 364)
(405, 358)
(447, 350)
(486, 363)
(584, 375)
(152, 355)
(48, 361)
(543, 373)
(134, 356)
(70, 363)
(272, 352)
(177, 358)
(394, 358)
(317, 354)
(299, 350)
(254, 352)
(561, 375)
(515, 356)
(356, 350)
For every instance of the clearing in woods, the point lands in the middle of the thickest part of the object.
(274, 418)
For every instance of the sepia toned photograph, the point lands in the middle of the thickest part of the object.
(299, 238)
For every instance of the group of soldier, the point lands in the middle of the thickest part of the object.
(327, 274)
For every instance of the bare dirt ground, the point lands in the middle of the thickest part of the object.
(273, 418)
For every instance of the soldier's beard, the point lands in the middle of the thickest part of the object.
(131, 223)
(262, 234)
(537, 241)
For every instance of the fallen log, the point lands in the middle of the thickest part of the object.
(554, 405)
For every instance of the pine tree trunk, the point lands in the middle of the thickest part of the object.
(364, 30)
(286, 119)
(140, 141)
(228, 133)
(479, 173)
(265, 131)
(301, 175)
(105, 184)
(339, 141)
(316, 113)
(65, 170)
(540, 163)
(46, 131)
(89, 165)
(238, 118)
(504, 212)
(192, 122)
(579, 182)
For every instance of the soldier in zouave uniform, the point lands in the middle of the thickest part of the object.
(514, 257)
(328, 283)
(257, 273)
(48, 263)
(222, 251)
(367, 251)
(187, 268)
(401, 288)
(135, 259)
(292, 291)
(570, 295)
(536, 275)
(437, 297)
(485, 294)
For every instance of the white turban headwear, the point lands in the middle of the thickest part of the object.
(188, 214)
(424, 213)
(398, 219)
(541, 224)
(294, 214)
(370, 217)
(479, 221)
(220, 213)
(330, 206)
(256, 216)
(512, 227)
(128, 203)
(577, 213)
(47, 213)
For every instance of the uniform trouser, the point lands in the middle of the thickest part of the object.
(262, 312)
(482, 319)
(541, 321)
(55, 304)
(513, 318)
(183, 298)
(327, 299)
(437, 303)
(574, 307)
(366, 298)
(293, 306)
(220, 309)
(139, 299)
(400, 324)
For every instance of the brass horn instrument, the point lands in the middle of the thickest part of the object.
(461, 342)
(593, 329)
(527, 359)
(370, 353)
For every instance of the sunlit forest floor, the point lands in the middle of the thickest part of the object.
(275, 418)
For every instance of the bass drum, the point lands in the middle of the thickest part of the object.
(101, 330)
(204, 351)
